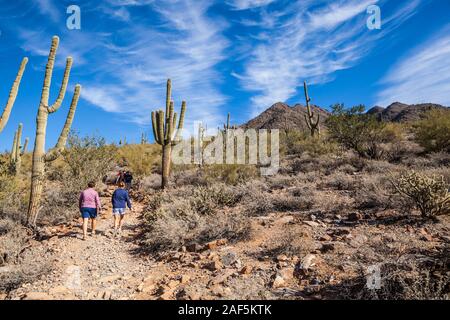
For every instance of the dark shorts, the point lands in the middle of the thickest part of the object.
(87, 213)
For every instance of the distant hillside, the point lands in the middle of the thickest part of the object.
(400, 112)
(283, 117)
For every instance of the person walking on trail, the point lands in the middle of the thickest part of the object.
(120, 177)
(120, 201)
(89, 204)
(128, 179)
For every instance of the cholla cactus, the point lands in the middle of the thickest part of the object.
(4, 117)
(164, 126)
(18, 151)
(309, 118)
(40, 156)
(429, 194)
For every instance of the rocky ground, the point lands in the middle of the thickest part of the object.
(325, 261)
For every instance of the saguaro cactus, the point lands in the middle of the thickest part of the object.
(18, 151)
(40, 157)
(309, 118)
(164, 131)
(4, 117)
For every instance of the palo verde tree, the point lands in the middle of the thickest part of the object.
(164, 131)
(4, 117)
(40, 157)
(18, 151)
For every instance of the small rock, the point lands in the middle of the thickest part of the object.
(326, 247)
(211, 245)
(312, 224)
(229, 258)
(287, 273)
(355, 216)
(3, 296)
(307, 262)
(194, 247)
(246, 270)
(325, 237)
(278, 282)
(213, 265)
(282, 258)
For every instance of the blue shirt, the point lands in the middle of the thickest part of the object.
(121, 199)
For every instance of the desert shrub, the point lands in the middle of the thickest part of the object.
(278, 182)
(284, 203)
(141, 159)
(429, 194)
(359, 132)
(433, 132)
(295, 142)
(341, 181)
(193, 214)
(14, 192)
(85, 159)
(232, 174)
(424, 278)
(205, 200)
(13, 238)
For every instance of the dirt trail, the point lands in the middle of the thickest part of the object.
(102, 267)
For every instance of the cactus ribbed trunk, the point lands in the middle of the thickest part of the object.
(166, 160)
(38, 165)
(313, 126)
(164, 126)
(40, 157)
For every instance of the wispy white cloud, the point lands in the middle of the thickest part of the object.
(49, 9)
(311, 40)
(248, 4)
(423, 75)
(186, 48)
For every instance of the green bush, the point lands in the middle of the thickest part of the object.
(433, 132)
(358, 131)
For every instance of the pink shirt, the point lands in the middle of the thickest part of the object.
(89, 199)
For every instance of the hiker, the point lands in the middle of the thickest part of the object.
(120, 177)
(89, 204)
(120, 201)
(128, 179)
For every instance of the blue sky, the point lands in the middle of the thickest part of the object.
(237, 56)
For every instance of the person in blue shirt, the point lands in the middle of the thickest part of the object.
(120, 202)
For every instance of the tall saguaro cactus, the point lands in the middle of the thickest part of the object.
(164, 126)
(309, 118)
(4, 117)
(40, 157)
(18, 151)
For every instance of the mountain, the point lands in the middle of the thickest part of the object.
(400, 112)
(282, 116)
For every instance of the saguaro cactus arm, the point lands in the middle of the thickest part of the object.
(12, 95)
(62, 90)
(60, 145)
(25, 146)
(180, 123)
